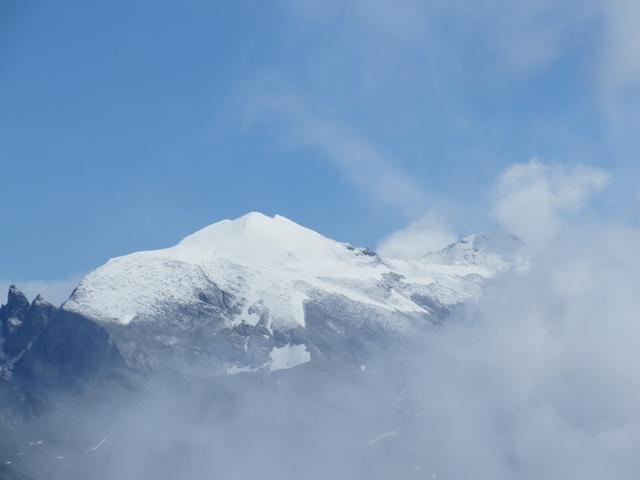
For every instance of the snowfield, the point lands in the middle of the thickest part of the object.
(269, 265)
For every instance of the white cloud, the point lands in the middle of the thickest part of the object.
(533, 200)
(54, 291)
(429, 234)
(539, 382)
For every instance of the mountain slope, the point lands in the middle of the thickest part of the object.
(265, 293)
(265, 266)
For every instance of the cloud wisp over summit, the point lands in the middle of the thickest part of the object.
(373, 173)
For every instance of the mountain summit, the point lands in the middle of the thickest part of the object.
(270, 266)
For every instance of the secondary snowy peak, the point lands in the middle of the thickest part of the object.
(496, 252)
(260, 269)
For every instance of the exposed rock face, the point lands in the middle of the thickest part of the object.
(17, 304)
(70, 351)
(46, 348)
(22, 322)
(40, 313)
(13, 314)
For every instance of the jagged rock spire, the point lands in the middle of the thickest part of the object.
(17, 302)
(21, 321)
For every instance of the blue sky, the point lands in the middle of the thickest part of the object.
(127, 125)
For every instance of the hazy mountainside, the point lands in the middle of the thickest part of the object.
(255, 295)
(252, 294)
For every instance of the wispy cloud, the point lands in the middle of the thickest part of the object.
(376, 174)
(375, 82)
(523, 36)
(428, 234)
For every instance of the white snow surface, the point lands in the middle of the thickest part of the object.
(288, 356)
(280, 358)
(271, 265)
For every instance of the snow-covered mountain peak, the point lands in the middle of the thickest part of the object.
(270, 286)
(269, 264)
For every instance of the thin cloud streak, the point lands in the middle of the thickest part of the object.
(372, 172)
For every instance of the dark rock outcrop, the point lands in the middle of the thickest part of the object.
(13, 316)
(22, 322)
(70, 352)
(47, 349)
